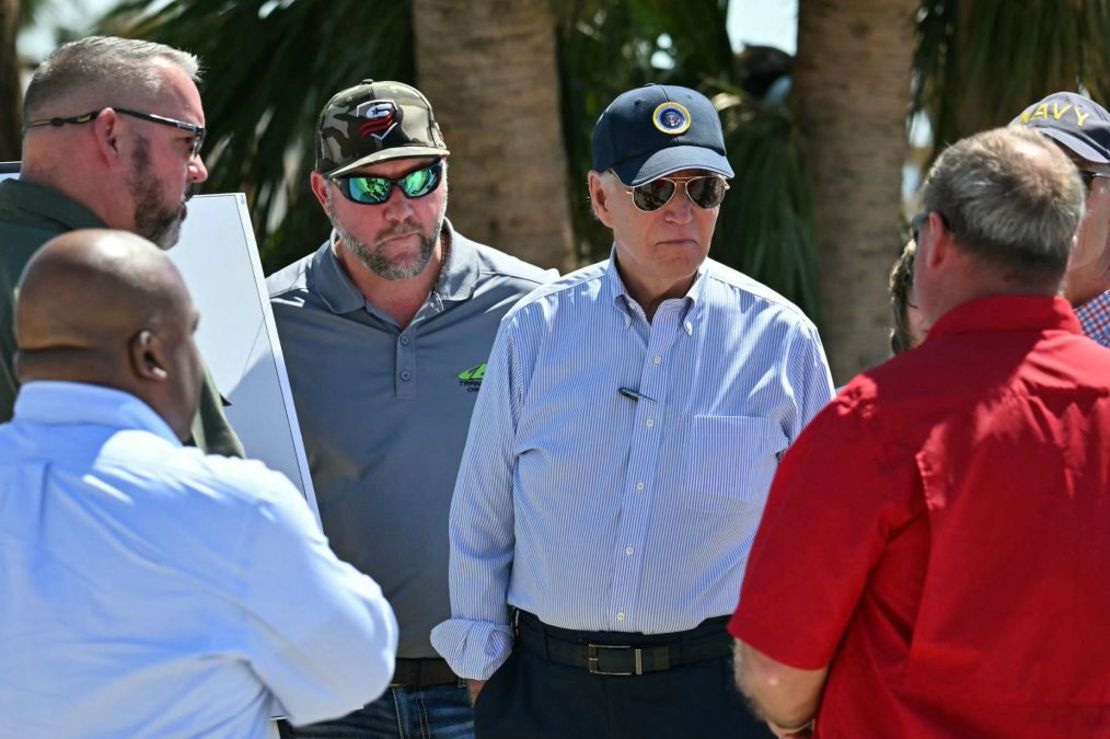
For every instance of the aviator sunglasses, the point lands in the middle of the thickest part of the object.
(707, 191)
(374, 190)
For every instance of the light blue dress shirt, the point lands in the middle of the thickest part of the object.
(148, 590)
(599, 511)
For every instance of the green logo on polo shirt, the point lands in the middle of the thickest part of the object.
(471, 379)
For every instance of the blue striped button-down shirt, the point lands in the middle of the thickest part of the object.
(603, 512)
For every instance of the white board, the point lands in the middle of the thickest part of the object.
(218, 257)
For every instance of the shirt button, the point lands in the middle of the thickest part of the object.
(406, 375)
(639, 486)
(404, 339)
(656, 359)
(620, 615)
(629, 551)
(650, 422)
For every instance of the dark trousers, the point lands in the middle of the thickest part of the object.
(530, 697)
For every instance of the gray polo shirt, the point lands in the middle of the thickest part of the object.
(384, 412)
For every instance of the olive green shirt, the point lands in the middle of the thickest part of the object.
(31, 215)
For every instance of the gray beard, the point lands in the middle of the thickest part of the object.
(375, 260)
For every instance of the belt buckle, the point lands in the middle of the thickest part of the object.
(593, 657)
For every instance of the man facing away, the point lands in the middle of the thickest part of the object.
(619, 456)
(1081, 128)
(386, 329)
(112, 137)
(932, 561)
(148, 590)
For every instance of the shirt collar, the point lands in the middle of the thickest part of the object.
(1094, 314)
(617, 293)
(53, 402)
(457, 279)
(47, 204)
(1007, 313)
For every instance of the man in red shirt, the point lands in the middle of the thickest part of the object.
(933, 558)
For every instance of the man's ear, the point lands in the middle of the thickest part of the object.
(599, 198)
(106, 129)
(320, 189)
(148, 358)
(940, 241)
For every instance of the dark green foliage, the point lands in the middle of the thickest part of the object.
(981, 62)
(273, 65)
(766, 223)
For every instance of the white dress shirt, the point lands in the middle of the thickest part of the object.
(148, 590)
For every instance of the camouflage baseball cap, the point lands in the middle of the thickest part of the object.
(375, 122)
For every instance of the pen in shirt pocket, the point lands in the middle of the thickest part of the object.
(633, 394)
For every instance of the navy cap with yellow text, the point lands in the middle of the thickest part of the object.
(1076, 122)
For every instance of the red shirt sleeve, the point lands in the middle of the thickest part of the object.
(823, 531)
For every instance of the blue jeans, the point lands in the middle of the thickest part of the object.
(442, 712)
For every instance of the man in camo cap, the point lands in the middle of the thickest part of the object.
(386, 329)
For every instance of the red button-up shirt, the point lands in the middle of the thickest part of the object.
(940, 534)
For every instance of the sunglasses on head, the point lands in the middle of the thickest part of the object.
(375, 190)
(706, 191)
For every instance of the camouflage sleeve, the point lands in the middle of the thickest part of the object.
(8, 384)
(211, 431)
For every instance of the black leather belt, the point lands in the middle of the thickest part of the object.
(422, 673)
(624, 654)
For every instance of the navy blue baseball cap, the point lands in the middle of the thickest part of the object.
(1077, 123)
(656, 130)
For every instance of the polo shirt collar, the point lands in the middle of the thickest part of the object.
(614, 290)
(459, 276)
(68, 403)
(1008, 313)
(457, 279)
(47, 204)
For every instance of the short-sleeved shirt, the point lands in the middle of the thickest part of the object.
(384, 411)
(940, 534)
(32, 214)
(149, 590)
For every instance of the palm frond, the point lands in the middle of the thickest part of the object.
(271, 68)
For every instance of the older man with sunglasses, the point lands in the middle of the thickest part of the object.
(112, 135)
(386, 329)
(619, 457)
(1081, 128)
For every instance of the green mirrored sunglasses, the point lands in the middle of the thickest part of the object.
(373, 190)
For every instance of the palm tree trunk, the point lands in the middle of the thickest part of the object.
(11, 96)
(489, 69)
(852, 82)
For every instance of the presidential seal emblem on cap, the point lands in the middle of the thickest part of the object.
(671, 118)
(654, 130)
